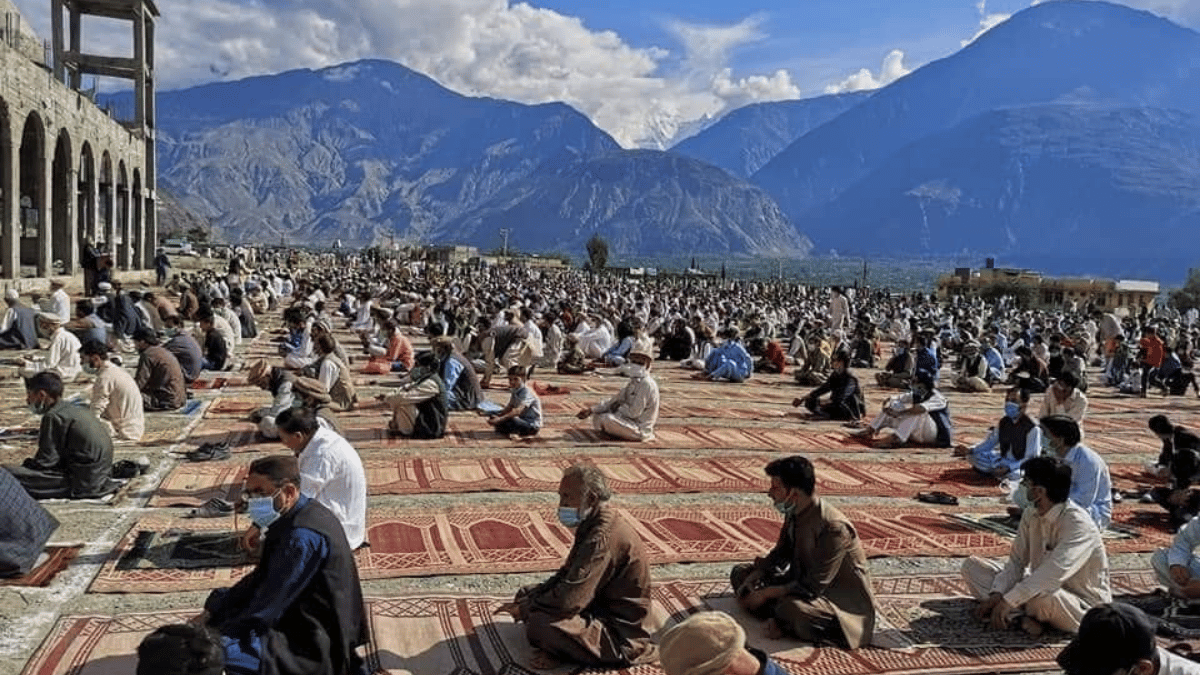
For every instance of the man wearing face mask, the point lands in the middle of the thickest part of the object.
(300, 611)
(815, 584)
(1091, 484)
(632, 413)
(1057, 567)
(595, 610)
(116, 399)
(1013, 440)
(920, 417)
(159, 376)
(74, 455)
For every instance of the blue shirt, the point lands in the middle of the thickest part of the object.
(532, 414)
(1091, 486)
(450, 373)
(248, 608)
(767, 667)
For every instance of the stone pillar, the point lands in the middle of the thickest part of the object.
(92, 203)
(108, 232)
(10, 232)
(124, 224)
(71, 263)
(45, 261)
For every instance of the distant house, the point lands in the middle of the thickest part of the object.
(1048, 292)
(449, 255)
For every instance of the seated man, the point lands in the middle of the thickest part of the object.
(331, 471)
(116, 399)
(632, 413)
(1064, 398)
(1179, 460)
(1057, 567)
(714, 644)
(25, 527)
(419, 407)
(184, 347)
(898, 372)
(20, 323)
(63, 358)
(1177, 567)
(1116, 638)
(595, 611)
(181, 649)
(74, 455)
(462, 382)
(300, 611)
(216, 348)
(729, 362)
(845, 397)
(522, 416)
(1013, 440)
(815, 584)
(920, 417)
(159, 375)
(280, 383)
(973, 376)
(1091, 485)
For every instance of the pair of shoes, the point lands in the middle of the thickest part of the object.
(213, 508)
(209, 452)
(937, 497)
(126, 469)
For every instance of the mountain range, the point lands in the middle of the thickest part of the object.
(1062, 128)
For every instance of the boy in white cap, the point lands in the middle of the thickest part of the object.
(633, 412)
(712, 643)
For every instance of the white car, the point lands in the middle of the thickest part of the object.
(178, 247)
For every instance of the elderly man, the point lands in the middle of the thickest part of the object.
(712, 643)
(75, 451)
(63, 358)
(595, 611)
(1057, 567)
(20, 323)
(300, 612)
(815, 584)
(116, 399)
(632, 413)
(920, 417)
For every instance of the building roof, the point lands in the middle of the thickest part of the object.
(1137, 286)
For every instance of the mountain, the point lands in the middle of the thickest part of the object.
(642, 202)
(747, 138)
(1066, 180)
(357, 152)
(1066, 52)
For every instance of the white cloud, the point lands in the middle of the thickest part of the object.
(641, 95)
(893, 68)
(987, 21)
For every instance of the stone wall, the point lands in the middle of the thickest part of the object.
(18, 34)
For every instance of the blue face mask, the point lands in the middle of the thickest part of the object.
(262, 511)
(39, 408)
(1012, 410)
(785, 508)
(1047, 445)
(569, 516)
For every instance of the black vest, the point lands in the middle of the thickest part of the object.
(432, 414)
(1013, 436)
(318, 634)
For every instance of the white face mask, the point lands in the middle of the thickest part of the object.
(635, 370)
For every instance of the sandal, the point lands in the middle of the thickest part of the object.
(937, 497)
(209, 452)
(213, 508)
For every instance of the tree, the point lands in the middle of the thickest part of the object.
(1189, 296)
(597, 251)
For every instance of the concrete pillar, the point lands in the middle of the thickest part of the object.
(92, 203)
(45, 258)
(72, 260)
(124, 222)
(10, 234)
(108, 225)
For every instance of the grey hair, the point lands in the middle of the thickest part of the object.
(592, 478)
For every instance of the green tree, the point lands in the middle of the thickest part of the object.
(198, 235)
(1189, 296)
(597, 251)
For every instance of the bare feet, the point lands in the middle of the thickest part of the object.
(865, 432)
(1032, 626)
(888, 443)
(540, 660)
(772, 630)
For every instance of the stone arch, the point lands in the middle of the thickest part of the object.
(33, 195)
(140, 253)
(106, 218)
(62, 206)
(9, 233)
(123, 243)
(87, 201)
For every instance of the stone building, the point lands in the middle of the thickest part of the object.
(1050, 292)
(69, 172)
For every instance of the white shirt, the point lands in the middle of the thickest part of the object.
(116, 398)
(1170, 663)
(332, 473)
(60, 304)
(64, 354)
(1074, 407)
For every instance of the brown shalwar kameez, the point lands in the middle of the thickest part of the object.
(595, 610)
(820, 559)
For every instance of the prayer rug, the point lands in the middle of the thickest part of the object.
(1131, 530)
(57, 560)
(528, 538)
(924, 626)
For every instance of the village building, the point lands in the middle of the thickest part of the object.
(1043, 292)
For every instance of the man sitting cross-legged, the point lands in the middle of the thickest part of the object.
(595, 611)
(631, 414)
(815, 584)
(1015, 439)
(920, 417)
(300, 611)
(845, 397)
(115, 396)
(1057, 567)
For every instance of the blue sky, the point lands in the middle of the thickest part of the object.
(647, 71)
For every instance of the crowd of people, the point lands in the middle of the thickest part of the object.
(300, 611)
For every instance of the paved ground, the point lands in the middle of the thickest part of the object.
(27, 614)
